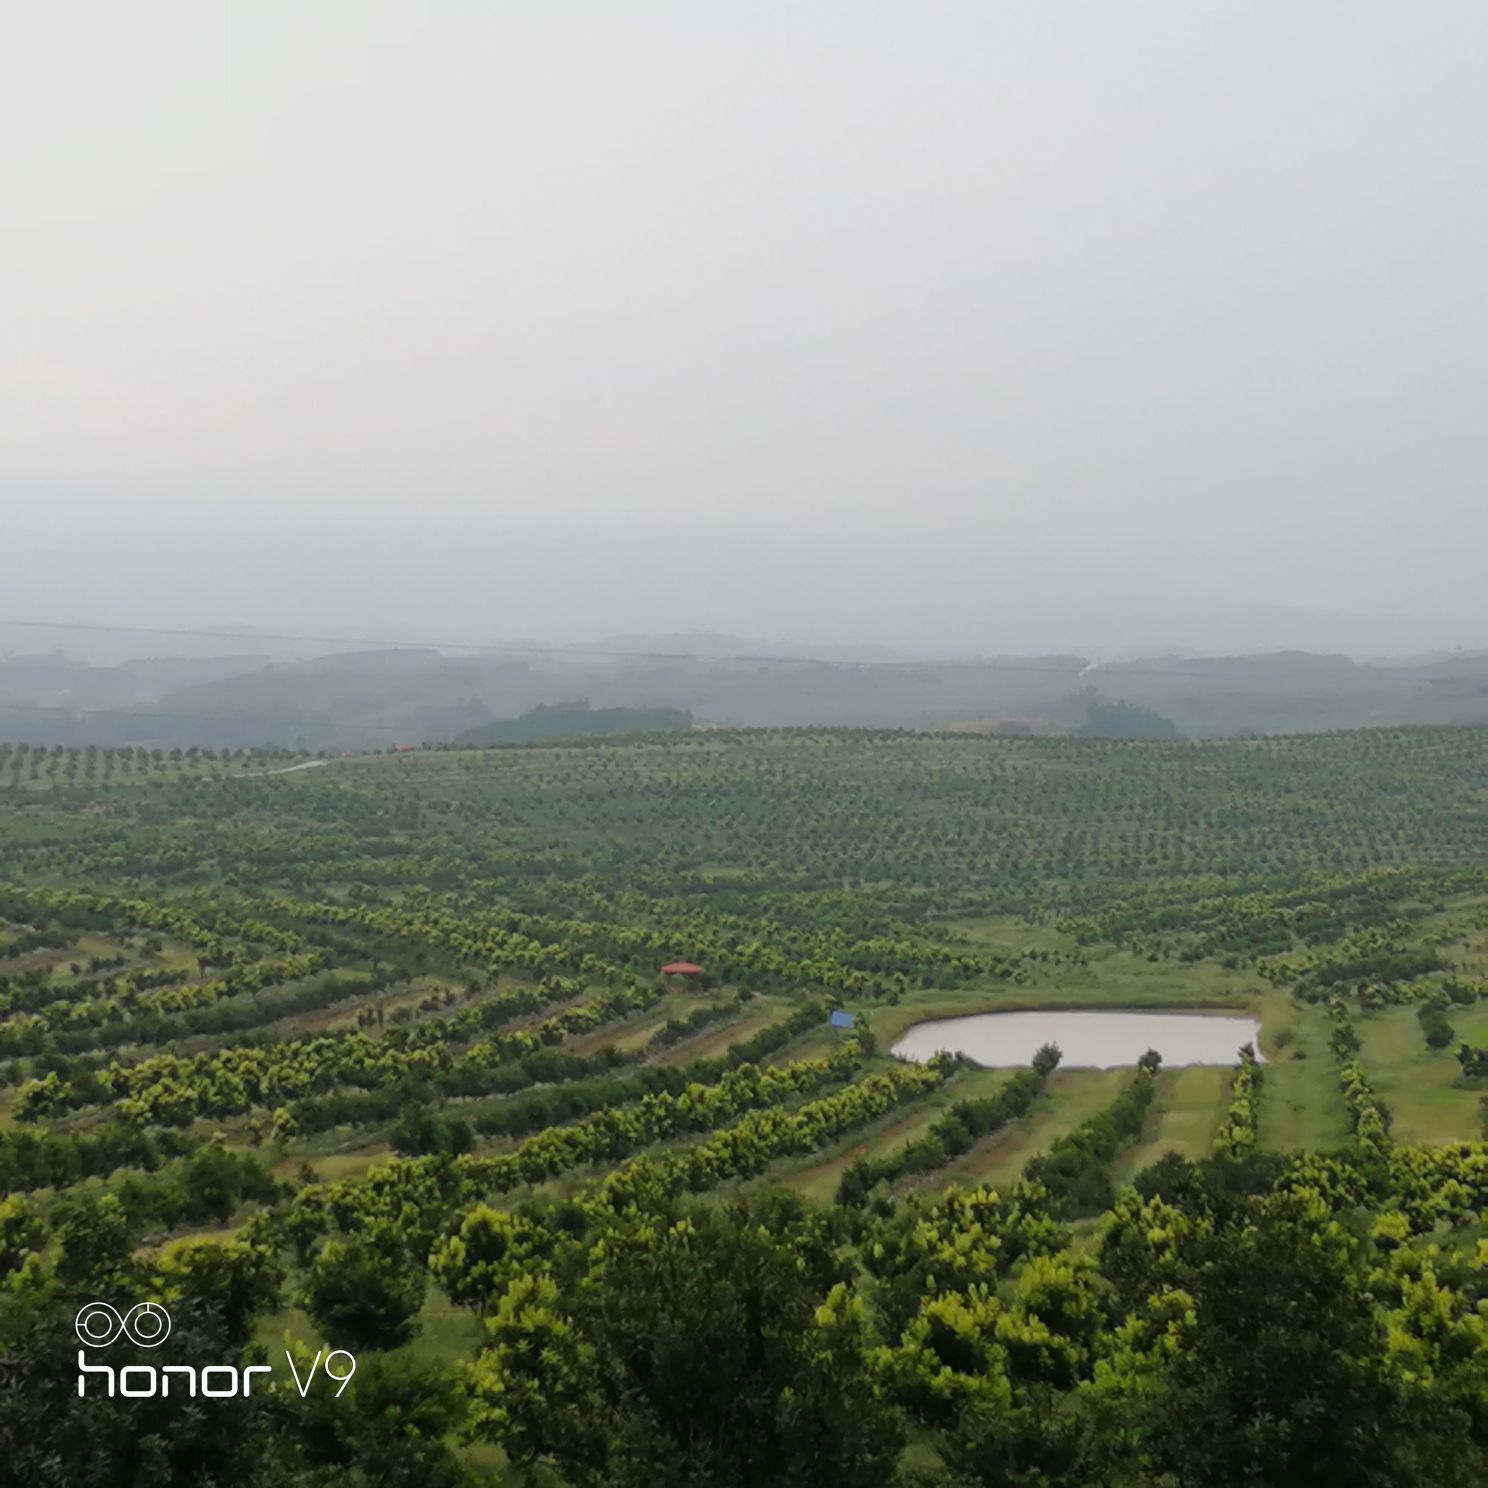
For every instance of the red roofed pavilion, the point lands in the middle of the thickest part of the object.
(681, 968)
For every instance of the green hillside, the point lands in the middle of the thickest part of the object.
(376, 1053)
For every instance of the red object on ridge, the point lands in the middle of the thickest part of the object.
(681, 968)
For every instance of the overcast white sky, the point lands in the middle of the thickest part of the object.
(974, 324)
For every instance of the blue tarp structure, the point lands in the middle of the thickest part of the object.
(842, 1020)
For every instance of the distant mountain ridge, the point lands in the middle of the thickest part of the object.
(373, 698)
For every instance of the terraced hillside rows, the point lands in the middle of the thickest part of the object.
(361, 1050)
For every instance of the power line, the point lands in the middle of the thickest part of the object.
(374, 643)
(516, 649)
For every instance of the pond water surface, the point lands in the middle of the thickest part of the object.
(1087, 1039)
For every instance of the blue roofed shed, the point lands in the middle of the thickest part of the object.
(841, 1020)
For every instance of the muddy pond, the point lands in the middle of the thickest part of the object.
(1088, 1039)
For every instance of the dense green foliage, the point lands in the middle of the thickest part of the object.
(1122, 720)
(1075, 1172)
(378, 1056)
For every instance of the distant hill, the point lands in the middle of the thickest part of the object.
(54, 681)
(370, 699)
(1298, 691)
(575, 721)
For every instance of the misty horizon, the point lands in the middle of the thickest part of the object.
(987, 330)
(108, 644)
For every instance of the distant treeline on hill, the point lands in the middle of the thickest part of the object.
(362, 700)
(575, 720)
(1122, 720)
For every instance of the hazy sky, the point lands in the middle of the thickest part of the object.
(985, 324)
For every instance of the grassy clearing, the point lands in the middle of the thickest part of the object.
(1301, 1106)
(333, 1165)
(1072, 1096)
(1471, 1024)
(1422, 1087)
(1116, 980)
(815, 1043)
(1010, 936)
(628, 1035)
(1184, 1118)
(762, 1012)
(445, 1331)
(817, 1176)
(1300, 1102)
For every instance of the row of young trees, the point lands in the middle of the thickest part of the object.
(241, 1019)
(951, 1135)
(417, 1193)
(916, 819)
(1240, 1128)
(1369, 1116)
(173, 1089)
(576, 1084)
(1209, 918)
(108, 1002)
(1075, 1173)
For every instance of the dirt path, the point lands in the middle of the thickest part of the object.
(281, 770)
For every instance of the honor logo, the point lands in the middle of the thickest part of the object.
(148, 1325)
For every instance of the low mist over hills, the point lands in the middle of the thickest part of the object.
(361, 699)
